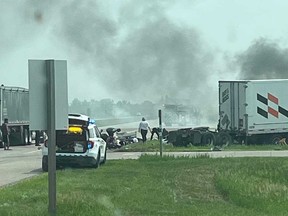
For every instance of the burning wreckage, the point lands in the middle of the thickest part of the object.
(195, 136)
(181, 115)
(250, 112)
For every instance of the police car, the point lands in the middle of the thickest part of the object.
(80, 145)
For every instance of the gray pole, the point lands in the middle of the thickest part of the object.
(160, 132)
(51, 137)
(1, 104)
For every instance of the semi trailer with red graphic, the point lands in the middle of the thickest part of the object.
(250, 112)
(254, 111)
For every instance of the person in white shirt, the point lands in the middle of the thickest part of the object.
(143, 129)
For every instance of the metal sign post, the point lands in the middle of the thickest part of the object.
(52, 137)
(160, 132)
(48, 110)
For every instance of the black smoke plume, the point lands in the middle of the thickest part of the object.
(264, 59)
(135, 51)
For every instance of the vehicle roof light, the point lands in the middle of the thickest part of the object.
(92, 121)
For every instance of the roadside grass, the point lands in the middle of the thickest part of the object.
(154, 146)
(154, 185)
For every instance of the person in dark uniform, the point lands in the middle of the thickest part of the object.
(5, 134)
(37, 138)
(156, 131)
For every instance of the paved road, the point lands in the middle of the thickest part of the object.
(19, 163)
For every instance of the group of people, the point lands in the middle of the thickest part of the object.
(143, 129)
(5, 134)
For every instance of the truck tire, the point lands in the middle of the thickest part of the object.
(275, 139)
(208, 138)
(223, 139)
(45, 164)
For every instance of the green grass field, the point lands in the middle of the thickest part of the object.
(159, 186)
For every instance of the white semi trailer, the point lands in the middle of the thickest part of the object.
(254, 111)
(250, 112)
(14, 105)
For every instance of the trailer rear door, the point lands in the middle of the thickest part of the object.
(232, 106)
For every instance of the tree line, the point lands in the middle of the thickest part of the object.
(108, 108)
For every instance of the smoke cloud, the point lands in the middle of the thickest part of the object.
(133, 52)
(264, 59)
(143, 54)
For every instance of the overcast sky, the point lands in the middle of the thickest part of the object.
(144, 50)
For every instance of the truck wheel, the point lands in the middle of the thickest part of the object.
(208, 139)
(224, 139)
(45, 164)
(275, 139)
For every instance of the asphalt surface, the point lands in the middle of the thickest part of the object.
(19, 163)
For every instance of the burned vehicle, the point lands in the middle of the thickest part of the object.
(199, 136)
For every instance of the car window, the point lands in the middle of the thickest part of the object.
(97, 131)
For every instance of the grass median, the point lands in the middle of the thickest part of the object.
(159, 186)
(154, 146)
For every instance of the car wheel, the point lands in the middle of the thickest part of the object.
(45, 164)
(97, 164)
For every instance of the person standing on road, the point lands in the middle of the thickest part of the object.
(5, 134)
(143, 129)
(37, 138)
